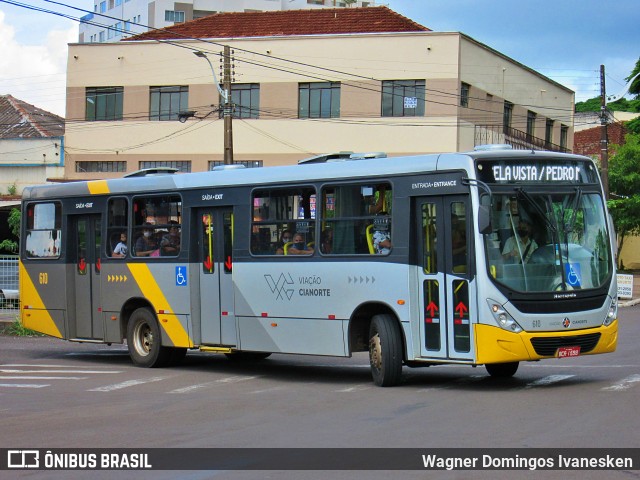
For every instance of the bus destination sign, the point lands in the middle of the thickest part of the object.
(548, 172)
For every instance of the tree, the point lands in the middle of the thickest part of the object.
(14, 225)
(624, 185)
(635, 86)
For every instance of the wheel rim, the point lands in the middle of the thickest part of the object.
(143, 339)
(375, 352)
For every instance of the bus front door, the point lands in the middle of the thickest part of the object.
(86, 307)
(217, 319)
(444, 261)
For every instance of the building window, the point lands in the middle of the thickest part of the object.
(319, 100)
(167, 102)
(245, 98)
(548, 132)
(464, 94)
(106, 166)
(564, 133)
(246, 163)
(101, 36)
(403, 98)
(507, 116)
(103, 7)
(531, 124)
(103, 103)
(173, 16)
(183, 166)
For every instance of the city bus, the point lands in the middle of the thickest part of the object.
(491, 257)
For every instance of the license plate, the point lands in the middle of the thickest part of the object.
(564, 352)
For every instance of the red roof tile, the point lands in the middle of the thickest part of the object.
(288, 22)
(20, 119)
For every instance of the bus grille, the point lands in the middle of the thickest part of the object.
(547, 346)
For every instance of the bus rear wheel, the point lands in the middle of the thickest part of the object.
(502, 370)
(144, 340)
(385, 351)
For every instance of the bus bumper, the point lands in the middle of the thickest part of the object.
(495, 345)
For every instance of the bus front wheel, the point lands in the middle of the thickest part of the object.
(502, 370)
(144, 340)
(385, 351)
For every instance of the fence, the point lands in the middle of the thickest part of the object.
(9, 289)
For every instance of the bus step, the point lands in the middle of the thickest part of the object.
(216, 349)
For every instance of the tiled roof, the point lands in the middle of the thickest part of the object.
(20, 119)
(330, 21)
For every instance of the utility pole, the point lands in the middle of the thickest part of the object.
(604, 141)
(227, 111)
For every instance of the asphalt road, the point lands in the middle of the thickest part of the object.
(56, 394)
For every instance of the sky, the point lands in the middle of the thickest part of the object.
(566, 40)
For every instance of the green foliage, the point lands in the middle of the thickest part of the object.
(13, 189)
(18, 330)
(624, 185)
(591, 105)
(635, 86)
(14, 224)
(633, 126)
(622, 105)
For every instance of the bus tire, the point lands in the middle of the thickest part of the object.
(144, 340)
(502, 370)
(385, 350)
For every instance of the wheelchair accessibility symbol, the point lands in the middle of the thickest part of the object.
(181, 276)
(572, 274)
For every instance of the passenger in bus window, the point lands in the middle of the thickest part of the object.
(170, 243)
(326, 243)
(121, 248)
(381, 235)
(146, 245)
(520, 247)
(298, 247)
(379, 200)
(284, 239)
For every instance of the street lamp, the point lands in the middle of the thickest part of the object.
(224, 93)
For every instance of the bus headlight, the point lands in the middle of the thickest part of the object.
(612, 313)
(502, 317)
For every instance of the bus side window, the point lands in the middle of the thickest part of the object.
(117, 244)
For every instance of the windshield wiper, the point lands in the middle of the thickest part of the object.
(568, 227)
(521, 192)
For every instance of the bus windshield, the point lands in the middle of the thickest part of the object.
(544, 242)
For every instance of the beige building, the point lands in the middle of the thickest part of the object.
(305, 82)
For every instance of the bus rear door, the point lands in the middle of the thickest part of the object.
(444, 259)
(217, 318)
(86, 306)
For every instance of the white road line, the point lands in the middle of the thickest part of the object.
(235, 379)
(624, 384)
(191, 388)
(32, 366)
(34, 377)
(22, 385)
(548, 380)
(355, 388)
(128, 383)
(6, 370)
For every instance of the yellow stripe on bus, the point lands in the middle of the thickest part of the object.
(98, 186)
(36, 317)
(152, 292)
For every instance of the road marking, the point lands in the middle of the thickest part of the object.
(127, 384)
(191, 388)
(22, 385)
(34, 377)
(234, 379)
(6, 370)
(355, 388)
(548, 380)
(624, 384)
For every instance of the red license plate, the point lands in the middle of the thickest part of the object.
(564, 352)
